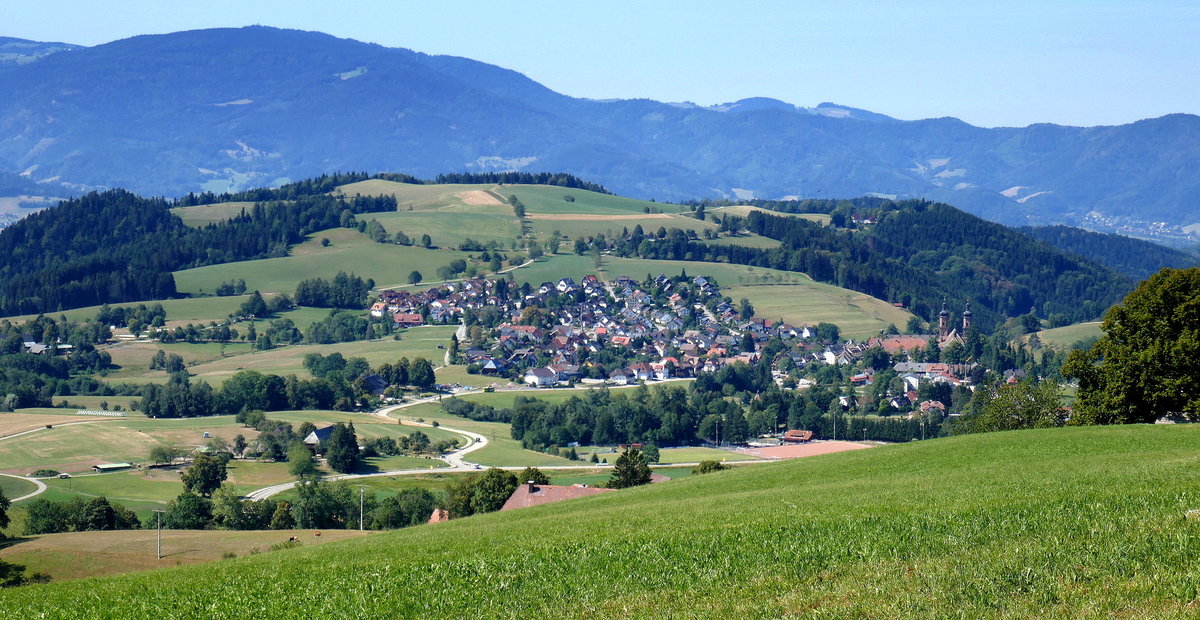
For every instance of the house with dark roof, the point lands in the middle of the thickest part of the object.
(319, 436)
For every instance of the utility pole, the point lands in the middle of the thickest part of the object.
(361, 491)
(159, 514)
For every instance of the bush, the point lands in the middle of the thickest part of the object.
(44, 473)
(708, 466)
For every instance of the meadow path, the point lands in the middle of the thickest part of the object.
(41, 487)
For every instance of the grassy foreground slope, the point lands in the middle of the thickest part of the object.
(1079, 522)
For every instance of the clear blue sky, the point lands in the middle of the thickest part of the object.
(1077, 62)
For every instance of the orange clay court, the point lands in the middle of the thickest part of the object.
(806, 449)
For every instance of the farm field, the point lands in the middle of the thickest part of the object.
(414, 342)
(416, 197)
(749, 240)
(695, 455)
(549, 199)
(13, 488)
(349, 251)
(744, 210)
(82, 554)
(448, 228)
(1062, 338)
(200, 216)
(858, 315)
(31, 419)
(1050, 523)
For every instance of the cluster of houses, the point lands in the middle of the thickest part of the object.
(665, 327)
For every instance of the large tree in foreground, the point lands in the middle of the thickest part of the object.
(1147, 363)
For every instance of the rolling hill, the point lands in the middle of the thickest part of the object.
(1082, 522)
(259, 106)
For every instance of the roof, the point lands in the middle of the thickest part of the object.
(319, 435)
(523, 497)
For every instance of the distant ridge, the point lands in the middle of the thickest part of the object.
(228, 109)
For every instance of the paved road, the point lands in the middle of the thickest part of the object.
(41, 487)
(453, 458)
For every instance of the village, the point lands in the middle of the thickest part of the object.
(625, 332)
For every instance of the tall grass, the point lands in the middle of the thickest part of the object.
(1062, 522)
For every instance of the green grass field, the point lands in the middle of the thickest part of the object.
(82, 554)
(1062, 338)
(15, 487)
(449, 228)
(417, 197)
(858, 315)
(1078, 522)
(414, 342)
(349, 251)
(502, 449)
(202, 215)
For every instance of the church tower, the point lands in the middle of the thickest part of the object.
(966, 318)
(943, 321)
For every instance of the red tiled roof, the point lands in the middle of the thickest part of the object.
(547, 494)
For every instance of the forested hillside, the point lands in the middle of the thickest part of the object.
(1133, 257)
(115, 246)
(918, 254)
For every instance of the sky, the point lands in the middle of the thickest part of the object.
(990, 63)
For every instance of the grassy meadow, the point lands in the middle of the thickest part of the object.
(78, 555)
(1081, 522)
(858, 315)
(1062, 338)
(349, 251)
(200, 216)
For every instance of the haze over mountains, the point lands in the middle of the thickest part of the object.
(228, 109)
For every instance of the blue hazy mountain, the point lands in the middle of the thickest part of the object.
(234, 108)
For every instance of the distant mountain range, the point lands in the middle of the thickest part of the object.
(234, 108)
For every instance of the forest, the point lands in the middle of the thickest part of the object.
(917, 254)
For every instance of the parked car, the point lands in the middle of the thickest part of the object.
(64, 476)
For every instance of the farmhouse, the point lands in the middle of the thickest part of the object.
(541, 377)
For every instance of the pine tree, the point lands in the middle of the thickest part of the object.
(631, 470)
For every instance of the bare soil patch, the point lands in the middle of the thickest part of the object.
(478, 197)
(807, 449)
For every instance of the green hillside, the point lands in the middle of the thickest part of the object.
(1085, 522)
(349, 251)
(1063, 338)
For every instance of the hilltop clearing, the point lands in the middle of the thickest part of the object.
(1064, 522)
